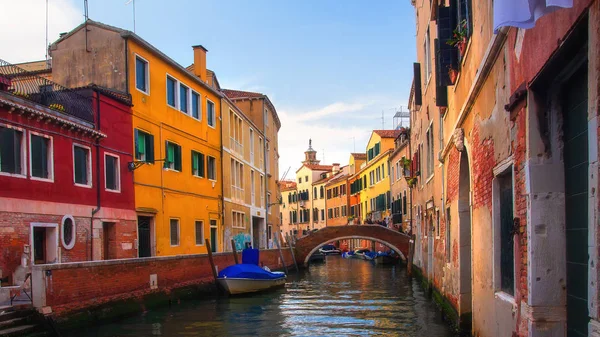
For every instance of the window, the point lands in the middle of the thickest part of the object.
(448, 237)
(503, 217)
(269, 162)
(253, 186)
(269, 202)
(212, 168)
(40, 157)
(144, 146)
(300, 180)
(196, 105)
(11, 151)
(251, 147)
(321, 192)
(323, 214)
(437, 223)
(427, 51)
(261, 153)
(328, 194)
(112, 176)
(171, 84)
(82, 165)
(305, 177)
(238, 219)
(199, 229)
(235, 133)
(173, 161)
(330, 213)
(315, 194)
(68, 232)
(141, 74)
(382, 171)
(197, 164)
(392, 174)
(262, 191)
(430, 152)
(210, 113)
(174, 229)
(237, 180)
(183, 98)
(344, 211)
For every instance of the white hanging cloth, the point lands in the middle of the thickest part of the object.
(524, 13)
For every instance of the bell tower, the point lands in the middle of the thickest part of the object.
(310, 155)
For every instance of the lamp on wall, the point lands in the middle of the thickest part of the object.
(132, 165)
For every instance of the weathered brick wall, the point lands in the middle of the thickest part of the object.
(453, 175)
(519, 146)
(15, 234)
(69, 287)
(483, 169)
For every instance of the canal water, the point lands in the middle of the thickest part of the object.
(341, 297)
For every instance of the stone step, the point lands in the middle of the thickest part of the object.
(13, 322)
(9, 315)
(18, 331)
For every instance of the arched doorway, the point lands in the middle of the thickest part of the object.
(464, 237)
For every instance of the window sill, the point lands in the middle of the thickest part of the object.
(48, 180)
(197, 245)
(14, 175)
(211, 126)
(112, 191)
(147, 93)
(429, 179)
(505, 297)
(82, 185)
(199, 177)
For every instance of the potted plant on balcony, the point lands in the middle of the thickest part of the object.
(459, 37)
(453, 74)
(411, 182)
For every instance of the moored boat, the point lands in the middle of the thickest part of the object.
(248, 278)
(329, 250)
(316, 257)
(386, 258)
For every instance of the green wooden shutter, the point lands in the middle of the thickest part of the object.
(178, 157)
(194, 163)
(136, 144)
(170, 155)
(149, 148)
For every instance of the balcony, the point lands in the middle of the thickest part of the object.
(237, 194)
(235, 146)
(28, 86)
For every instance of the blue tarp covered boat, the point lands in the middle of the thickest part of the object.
(249, 277)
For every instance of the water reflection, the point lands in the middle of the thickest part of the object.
(343, 297)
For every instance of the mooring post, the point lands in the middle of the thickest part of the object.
(235, 257)
(210, 258)
(290, 242)
(277, 239)
(411, 253)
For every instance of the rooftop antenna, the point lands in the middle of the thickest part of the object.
(85, 10)
(127, 3)
(47, 60)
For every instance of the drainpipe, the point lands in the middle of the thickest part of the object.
(222, 199)
(266, 174)
(98, 204)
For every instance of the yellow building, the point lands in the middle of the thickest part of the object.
(243, 177)
(289, 209)
(261, 112)
(375, 198)
(177, 130)
(337, 198)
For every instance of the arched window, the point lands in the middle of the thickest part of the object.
(315, 193)
(322, 192)
(68, 232)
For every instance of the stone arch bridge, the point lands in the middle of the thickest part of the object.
(310, 244)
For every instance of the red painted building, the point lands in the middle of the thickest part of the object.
(65, 191)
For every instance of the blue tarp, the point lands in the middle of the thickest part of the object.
(250, 256)
(328, 247)
(249, 271)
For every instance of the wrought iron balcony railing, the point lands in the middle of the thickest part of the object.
(29, 86)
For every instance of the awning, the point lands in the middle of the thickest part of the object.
(524, 13)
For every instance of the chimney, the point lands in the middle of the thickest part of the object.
(200, 62)
(336, 168)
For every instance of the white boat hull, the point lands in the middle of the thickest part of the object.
(242, 285)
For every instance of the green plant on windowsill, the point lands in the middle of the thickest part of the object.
(411, 182)
(58, 107)
(459, 37)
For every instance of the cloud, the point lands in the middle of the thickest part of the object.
(328, 111)
(24, 27)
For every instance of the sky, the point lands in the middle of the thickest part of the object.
(332, 68)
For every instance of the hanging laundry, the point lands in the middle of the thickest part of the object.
(524, 13)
